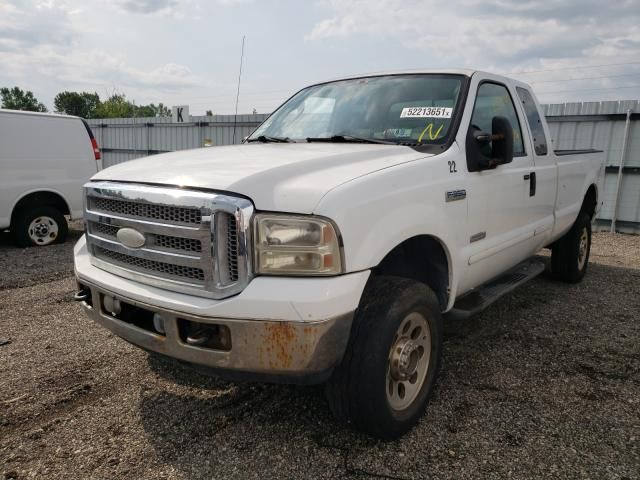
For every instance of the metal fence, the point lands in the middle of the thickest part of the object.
(613, 127)
(123, 139)
(610, 126)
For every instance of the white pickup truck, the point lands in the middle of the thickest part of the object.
(329, 246)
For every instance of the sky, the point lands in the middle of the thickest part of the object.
(187, 52)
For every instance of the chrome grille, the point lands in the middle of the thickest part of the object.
(232, 248)
(160, 241)
(104, 229)
(194, 242)
(177, 271)
(147, 210)
(177, 243)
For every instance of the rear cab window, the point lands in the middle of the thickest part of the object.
(534, 121)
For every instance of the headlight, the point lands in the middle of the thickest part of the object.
(296, 245)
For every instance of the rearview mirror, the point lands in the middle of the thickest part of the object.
(488, 150)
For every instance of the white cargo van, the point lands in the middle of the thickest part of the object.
(44, 161)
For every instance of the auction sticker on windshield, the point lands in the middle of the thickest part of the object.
(426, 112)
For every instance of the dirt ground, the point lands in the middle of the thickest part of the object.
(544, 384)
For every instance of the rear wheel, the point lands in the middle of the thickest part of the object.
(387, 375)
(39, 226)
(570, 254)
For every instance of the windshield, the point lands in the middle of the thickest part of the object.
(407, 109)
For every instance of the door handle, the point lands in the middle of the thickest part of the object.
(532, 183)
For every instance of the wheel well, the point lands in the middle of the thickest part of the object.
(41, 198)
(421, 258)
(590, 201)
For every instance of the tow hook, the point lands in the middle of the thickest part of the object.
(82, 295)
(200, 336)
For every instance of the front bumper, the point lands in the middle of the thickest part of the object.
(280, 329)
(299, 352)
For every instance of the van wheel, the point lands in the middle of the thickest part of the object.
(387, 375)
(39, 226)
(570, 254)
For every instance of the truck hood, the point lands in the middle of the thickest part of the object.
(291, 177)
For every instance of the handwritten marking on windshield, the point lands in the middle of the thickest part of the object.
(429, 129)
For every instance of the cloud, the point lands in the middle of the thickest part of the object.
(475, 32)
(146, 6)
(104, 71)
(45, 52)
(232, 2)
(27, 24)
(504, 36)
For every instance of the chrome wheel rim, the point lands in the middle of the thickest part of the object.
(43, 230)
(583, 248)
(408, 361)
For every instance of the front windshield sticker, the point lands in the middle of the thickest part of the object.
(319, 105)
(426, 112)
(399, 132)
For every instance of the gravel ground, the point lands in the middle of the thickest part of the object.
(544, 384)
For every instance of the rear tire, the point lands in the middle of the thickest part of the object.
(570, 254)
(39, 226)
(388, 373)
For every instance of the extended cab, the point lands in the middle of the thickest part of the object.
(329, 246)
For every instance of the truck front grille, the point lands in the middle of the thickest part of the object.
(194, 242)
(165, 213)
(169, 269)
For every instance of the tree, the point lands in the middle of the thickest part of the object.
(152, 110)
(209, 113)
(116, 106)
(17, 99)
(81, 104)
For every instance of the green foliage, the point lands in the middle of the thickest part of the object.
(152, 110)
(118, 106)
(81, 104)
(17, 99)
(209, 113)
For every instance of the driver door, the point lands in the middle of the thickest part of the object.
(499, 230)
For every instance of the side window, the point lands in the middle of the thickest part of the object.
(494, 100)
(533, 117)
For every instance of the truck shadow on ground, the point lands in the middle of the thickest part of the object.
(528, 357)
(221, 420)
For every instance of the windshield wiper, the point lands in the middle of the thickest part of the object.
(348, 139)
(266, 139)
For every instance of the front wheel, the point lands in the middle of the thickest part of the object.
(570, 254)
(389, 370)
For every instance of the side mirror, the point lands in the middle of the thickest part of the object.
(488, 150)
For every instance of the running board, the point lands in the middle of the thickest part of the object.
(480, 298)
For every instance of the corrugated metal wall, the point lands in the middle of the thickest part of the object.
(598, 125)
(601, 125)
(123, 139)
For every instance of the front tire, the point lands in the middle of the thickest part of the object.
(39, 226)
(388, 373)
(570, 254)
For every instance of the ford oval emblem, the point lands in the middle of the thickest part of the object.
(131, 238)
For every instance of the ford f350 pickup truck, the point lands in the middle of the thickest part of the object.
(330, 245)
